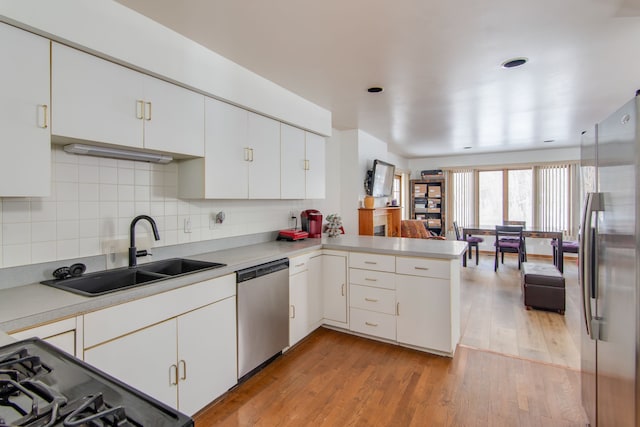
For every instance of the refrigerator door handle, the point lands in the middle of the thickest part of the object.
(587, 271)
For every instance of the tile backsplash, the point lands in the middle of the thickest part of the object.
(93, 201)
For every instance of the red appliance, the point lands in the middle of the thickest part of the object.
(312, 222)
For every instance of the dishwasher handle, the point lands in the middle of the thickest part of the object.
(261, 270)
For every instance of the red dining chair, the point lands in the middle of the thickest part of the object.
(472, 241)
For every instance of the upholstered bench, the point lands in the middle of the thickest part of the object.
(542, 287)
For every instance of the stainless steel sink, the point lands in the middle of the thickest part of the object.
(104, 282)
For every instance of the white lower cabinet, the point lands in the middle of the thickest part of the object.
(413, 301)
(334, 288)
(169, 345)
(423, 318)
(63, 334)
(305, 296)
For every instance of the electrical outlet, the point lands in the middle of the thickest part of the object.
(187, 225)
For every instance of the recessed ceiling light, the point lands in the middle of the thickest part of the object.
(514, 62)
(375, 89)
(549, 140)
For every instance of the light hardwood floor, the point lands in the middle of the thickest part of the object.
(494, 317)
(335, 379)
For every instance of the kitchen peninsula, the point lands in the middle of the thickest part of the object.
(397, 290)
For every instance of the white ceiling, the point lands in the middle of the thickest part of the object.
(438, 61)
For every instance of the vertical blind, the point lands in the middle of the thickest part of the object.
(553, 197)
(463, 197)
(554, 191)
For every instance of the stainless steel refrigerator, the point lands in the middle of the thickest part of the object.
(609, 269)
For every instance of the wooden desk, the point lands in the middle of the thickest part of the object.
(368, 219)
(487, 230)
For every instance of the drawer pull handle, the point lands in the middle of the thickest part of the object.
(45, 120)
(173, 373)
(342, 289)
(397, 309)
(293, 311)
(184, 369)
(370, 262)
(139, 109)
(370, 279)
(300, 265)
(370, 299)
(147, 117)
(370, 324)
(421, 268)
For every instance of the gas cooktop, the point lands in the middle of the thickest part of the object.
(42, 386)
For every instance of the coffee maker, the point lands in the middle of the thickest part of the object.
(312, 222)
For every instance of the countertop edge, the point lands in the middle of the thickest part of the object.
(236, 259)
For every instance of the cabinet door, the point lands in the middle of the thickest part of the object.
(25, 164)
(315, 154)
(334, 268)
(174, 118)
(206, 354)
(226, 148)
(264, 163)
(315, 296)
(145, 359)
(298, 312)
(95, 100)
(423, 316)
(292, 176)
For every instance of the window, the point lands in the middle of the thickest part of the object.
(520, 195)
(490, 194)
(539, 195)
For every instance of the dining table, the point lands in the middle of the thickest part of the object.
(533, 232)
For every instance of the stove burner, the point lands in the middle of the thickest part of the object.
(19, 365)
(41, 386)
(93, 411)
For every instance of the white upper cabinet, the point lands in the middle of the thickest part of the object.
(174, 118)
(292, 155)
(315, 166)
(303, 164)
(264, 163)
(25, 163)
(242, 156)
(97, 100)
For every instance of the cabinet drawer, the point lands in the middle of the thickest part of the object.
(112, 322)
(423, 267)
(372, 261)
(372, 323)
(374, 299)
(378, 279)
(298, 264)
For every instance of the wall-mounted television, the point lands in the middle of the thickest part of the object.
(381, 179)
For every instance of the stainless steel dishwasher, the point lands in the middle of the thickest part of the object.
(263, 314)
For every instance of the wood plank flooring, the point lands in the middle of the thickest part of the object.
(493, 316)
(495, 378)
(336, 379)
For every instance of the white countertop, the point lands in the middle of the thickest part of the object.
(26, 306)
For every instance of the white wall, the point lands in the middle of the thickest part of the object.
(111, 30)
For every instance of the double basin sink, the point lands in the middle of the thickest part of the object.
(104, 282)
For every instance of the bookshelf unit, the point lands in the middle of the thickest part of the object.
(428, 203)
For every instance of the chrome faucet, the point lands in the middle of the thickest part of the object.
(133, 252)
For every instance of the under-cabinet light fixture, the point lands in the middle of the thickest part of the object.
(116, 153)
